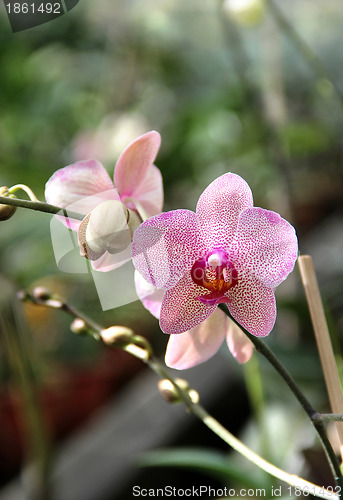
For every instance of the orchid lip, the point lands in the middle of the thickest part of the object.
(213, 301)
(216, 274)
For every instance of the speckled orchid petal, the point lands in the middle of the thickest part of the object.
(197, 345)
(252, 304)
(238, 343)
(147, 199)
(80, 187)
(150, 296)
(133, 164)
(166, 246)
(181, 310)
(266, 245)
(219, 207)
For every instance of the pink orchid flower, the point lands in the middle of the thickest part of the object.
(227, 252)
(197, 345)
(113, 210)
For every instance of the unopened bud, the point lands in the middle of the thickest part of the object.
(170, 393)
(41, 293)
(109, 227)
(119, 335)
(194, 396)
(79, 326)
(44, 295)
(6, 211)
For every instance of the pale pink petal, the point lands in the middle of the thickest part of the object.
(166, 246)
(265, 245)
(77, 181)
(148, 195)
(252, 304)
(150, 296)
(133, 164)
(197, 345)
(181, 309)
(109, 262)
(238, 343)
(219, 207)
(80, 187)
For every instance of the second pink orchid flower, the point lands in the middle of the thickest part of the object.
(86, 187)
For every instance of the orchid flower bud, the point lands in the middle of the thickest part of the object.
(6, 211)
(79, 326)
(107, 228)
(117, 335)
(170, 394)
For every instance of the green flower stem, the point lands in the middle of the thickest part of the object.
(41, 207)
(263, 349)
(39, 448)
(142, 350)
(24, 188)
(237, 445)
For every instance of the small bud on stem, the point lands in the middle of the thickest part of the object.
(6, 211)
(44, 295)
(119, 335)
(170, 393)
(79, 326)
(41, 293)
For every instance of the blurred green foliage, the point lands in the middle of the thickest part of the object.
(224, 96)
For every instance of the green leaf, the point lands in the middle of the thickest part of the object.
(211, 463)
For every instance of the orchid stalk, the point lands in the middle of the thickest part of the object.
(265, 351)
(24, 188)
(121, 337)
(40, 206)
(207, 275)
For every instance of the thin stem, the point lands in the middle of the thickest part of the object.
(253, 382)
(237, 445)
(141, 212)
(39, 441)
(329, 417)
(193, 407)
(323, 340)
(24, 188)
(72, 311)
(310, 411)
(197, 410)
(41, 206)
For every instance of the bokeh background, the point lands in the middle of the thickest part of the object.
(246, 86)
